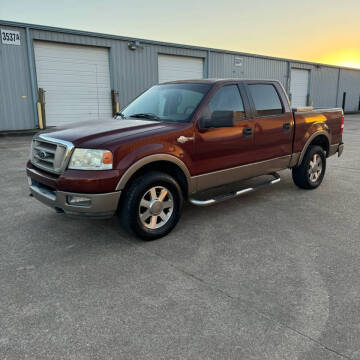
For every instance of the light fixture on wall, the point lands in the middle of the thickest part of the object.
(133, 45)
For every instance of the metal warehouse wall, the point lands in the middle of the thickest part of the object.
(132, 72)
(323, 83)
(16, 111)
(324, 89)
(323, 86)
(223, 66)
(349, 82)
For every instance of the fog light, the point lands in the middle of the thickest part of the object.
(29, 180)
(78, 200)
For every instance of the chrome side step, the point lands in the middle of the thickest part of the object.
(235, 194)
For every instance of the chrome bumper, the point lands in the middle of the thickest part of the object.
(101, 205)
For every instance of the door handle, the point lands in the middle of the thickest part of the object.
(183, 139)
(247, 132)
(286, 126)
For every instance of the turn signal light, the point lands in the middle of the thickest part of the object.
(342, 124)
(107, 157)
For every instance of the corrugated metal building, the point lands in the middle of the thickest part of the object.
(85, 74)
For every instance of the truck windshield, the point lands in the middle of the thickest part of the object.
(168, 102)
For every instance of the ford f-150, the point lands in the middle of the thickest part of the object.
(176, 140)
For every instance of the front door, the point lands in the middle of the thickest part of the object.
(223, 147)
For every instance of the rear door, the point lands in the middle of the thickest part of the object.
(225, 147)
(273, 120)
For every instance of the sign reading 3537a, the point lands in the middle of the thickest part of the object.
(10, 37)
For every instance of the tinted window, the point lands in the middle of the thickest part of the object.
(169, 102)
(226, 98)
(266, 99)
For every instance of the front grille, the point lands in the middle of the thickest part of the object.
(50, 154)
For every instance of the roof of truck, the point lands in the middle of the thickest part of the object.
(213, 81)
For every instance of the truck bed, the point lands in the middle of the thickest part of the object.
(309, 122)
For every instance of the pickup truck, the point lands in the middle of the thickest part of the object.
(173, 142)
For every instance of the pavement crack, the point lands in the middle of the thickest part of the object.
(346, 168)
(249, 305)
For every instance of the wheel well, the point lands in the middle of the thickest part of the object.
(322, 141)
(166, 167)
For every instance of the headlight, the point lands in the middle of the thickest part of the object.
(90, 159)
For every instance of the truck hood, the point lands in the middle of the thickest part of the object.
(104, 134)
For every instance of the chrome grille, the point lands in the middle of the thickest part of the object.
(50, 154)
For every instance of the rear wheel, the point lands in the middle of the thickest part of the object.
(151, 206)
(310, 173)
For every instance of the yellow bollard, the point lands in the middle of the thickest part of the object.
(41, 124)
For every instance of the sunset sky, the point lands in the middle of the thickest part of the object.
(326, 31)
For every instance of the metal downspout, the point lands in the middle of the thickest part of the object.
(32, 75)
(288, 78)
(338, 88)
(208, 64)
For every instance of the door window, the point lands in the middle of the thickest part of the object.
(266, 99)
(226, 99)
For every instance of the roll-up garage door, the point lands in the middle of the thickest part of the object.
(299, 87)
(76, 80)
(173, 67)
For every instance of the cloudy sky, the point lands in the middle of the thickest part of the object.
(326, 31)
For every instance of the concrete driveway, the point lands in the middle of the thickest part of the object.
(271, 275)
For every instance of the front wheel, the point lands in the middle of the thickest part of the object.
(310, 173)
(151, 206)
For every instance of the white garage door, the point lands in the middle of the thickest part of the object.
(76, 80)
(299, 87)
(173, 67)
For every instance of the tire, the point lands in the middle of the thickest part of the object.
(151, 205)
(310, 173)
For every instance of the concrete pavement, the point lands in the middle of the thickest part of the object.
(274, 274)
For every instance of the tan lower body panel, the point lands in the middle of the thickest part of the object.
(227, 176)
(333, 149)
(294, 159)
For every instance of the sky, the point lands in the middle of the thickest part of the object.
(325, 31)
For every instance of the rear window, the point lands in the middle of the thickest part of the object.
(266, 99)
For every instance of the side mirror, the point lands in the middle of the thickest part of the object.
(218, 119)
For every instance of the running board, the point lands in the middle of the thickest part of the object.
(235, 194)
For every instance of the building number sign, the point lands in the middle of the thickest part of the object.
(10, 37)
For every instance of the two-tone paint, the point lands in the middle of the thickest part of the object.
(207, 157)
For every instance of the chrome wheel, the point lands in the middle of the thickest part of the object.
(315, 168)
(156, 207)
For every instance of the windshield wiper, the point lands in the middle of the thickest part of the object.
(146, 116)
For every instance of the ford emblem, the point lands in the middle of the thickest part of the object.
(42, 154)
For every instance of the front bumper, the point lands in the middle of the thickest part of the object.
(99, 205)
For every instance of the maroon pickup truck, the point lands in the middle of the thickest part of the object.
(173, 142)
